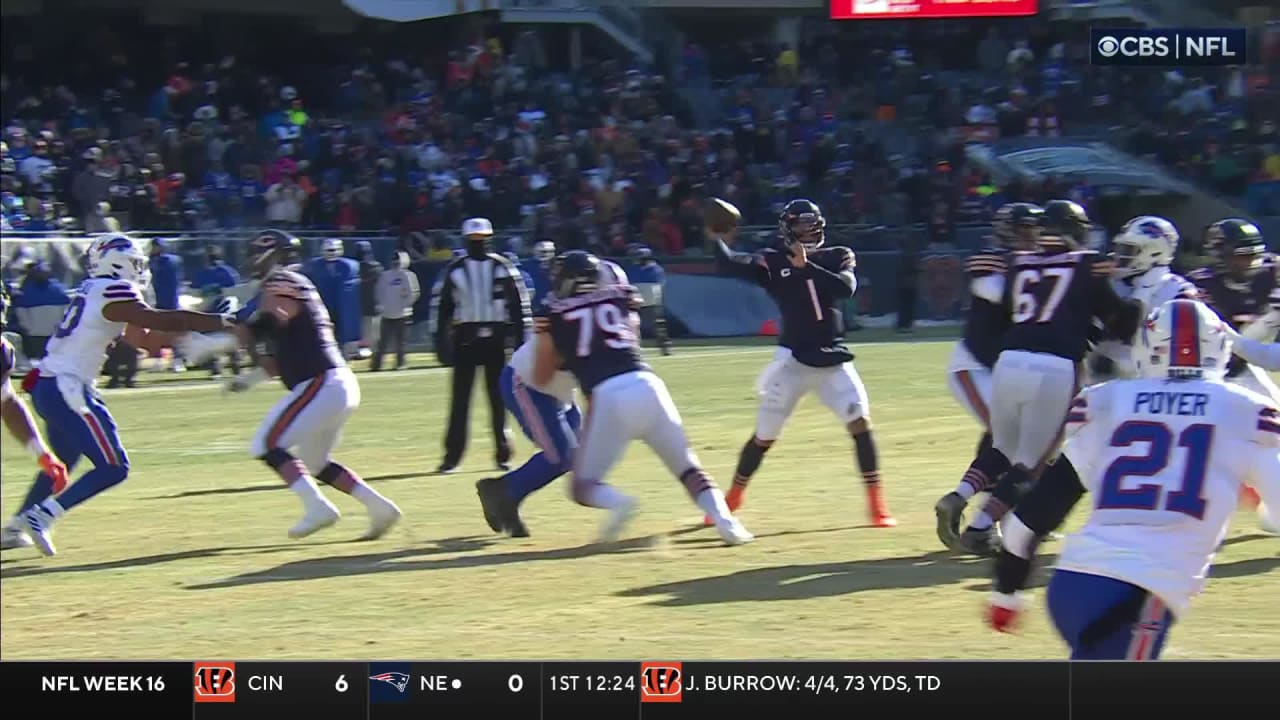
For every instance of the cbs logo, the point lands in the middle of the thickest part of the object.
(1109, 46)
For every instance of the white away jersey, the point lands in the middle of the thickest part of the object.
(1164, 462)
(563, 383)
(1153, 288)
(79, 345)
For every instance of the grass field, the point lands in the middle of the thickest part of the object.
(189, 557)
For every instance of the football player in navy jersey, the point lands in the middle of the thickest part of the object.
(810, 283)
(289, 335)
(1053, 294)
(1237, 286)
(1016, 226)
(593, 332)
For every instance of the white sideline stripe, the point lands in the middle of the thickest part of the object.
(363, 377)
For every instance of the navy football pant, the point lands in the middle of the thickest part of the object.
(1106, 619)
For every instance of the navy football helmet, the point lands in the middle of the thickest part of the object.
(1066, 220)
(575, 272)
(1017, 225)
(802, 222)
(1236, 245)
(272, 249)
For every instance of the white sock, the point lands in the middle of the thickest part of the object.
(54, 507)
(981, 521)
(307, 489)
(366, 494)
(712, 503)
(604, 496)
(966, 491)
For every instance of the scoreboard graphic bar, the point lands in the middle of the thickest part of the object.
(651, 690)
(909, 9)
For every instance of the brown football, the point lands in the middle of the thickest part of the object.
(720, 215)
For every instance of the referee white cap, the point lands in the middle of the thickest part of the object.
(477, 226)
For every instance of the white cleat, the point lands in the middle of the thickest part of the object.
(14, 537)
(383, 514)
(39, 524)
(318, 517)
(617, 520)
(733, 533)
(1268, 520)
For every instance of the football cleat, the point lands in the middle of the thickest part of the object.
(490, 491)
(318, 517)
(733, 499)
(39, 524)
(12, 538)
(983, 543)
(733, 532)
(880, 516)
(950, 512)
(383, 514)
(618, 518)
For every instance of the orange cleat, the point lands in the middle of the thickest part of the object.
(733, 500)
(880, 516)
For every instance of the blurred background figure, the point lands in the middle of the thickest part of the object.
(648, 277)
(39, 305)
(396, 292)
(337, 278)
(166, 282)
(370, 272)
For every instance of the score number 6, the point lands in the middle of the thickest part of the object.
(341, 685)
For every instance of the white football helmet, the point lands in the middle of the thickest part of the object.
(544, 250)
(333, 248)
(1145, 242)
(116, 256)
(1181, 340)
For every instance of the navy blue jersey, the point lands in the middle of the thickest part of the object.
(304, 348)
(809, 298)
(1237, 303)
(1053, 297)
(594, 336)
(986, 322)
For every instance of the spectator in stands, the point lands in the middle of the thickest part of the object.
(285, 201)
(216, 272)
(39, 305)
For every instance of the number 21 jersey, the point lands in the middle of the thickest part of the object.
(1164, 462)
(593, 334)
(1052, 299)
(79, 344)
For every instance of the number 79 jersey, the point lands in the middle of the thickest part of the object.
(79, 344)
(1164, 462)
(593, 334)
(1052, 299)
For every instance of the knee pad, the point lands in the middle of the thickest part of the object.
(275, 457)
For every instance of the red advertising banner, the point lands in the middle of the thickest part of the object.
(902, 9)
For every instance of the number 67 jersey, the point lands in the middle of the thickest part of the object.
(1165, 461)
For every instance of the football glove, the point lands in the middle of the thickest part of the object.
(197, 348)
(246, 381)
(55, 469)
(1002, 611)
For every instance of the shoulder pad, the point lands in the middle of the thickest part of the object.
(985, 263)
(119, 291)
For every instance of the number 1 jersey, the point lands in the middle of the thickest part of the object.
(593, 334)
(1164, 462)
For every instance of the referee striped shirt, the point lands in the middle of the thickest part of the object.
(480, 292)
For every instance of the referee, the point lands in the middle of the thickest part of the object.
(483, 302)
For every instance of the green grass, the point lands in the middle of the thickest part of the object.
(189, 558)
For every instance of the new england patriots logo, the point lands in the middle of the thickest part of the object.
(398, 680)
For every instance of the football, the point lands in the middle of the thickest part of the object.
(721, 215)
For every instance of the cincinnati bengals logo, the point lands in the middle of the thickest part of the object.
(943, 281)
(215, 682)
(661, 682)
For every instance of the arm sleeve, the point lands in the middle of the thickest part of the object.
(1264, 355)
(1119, 317)
(744, 266)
